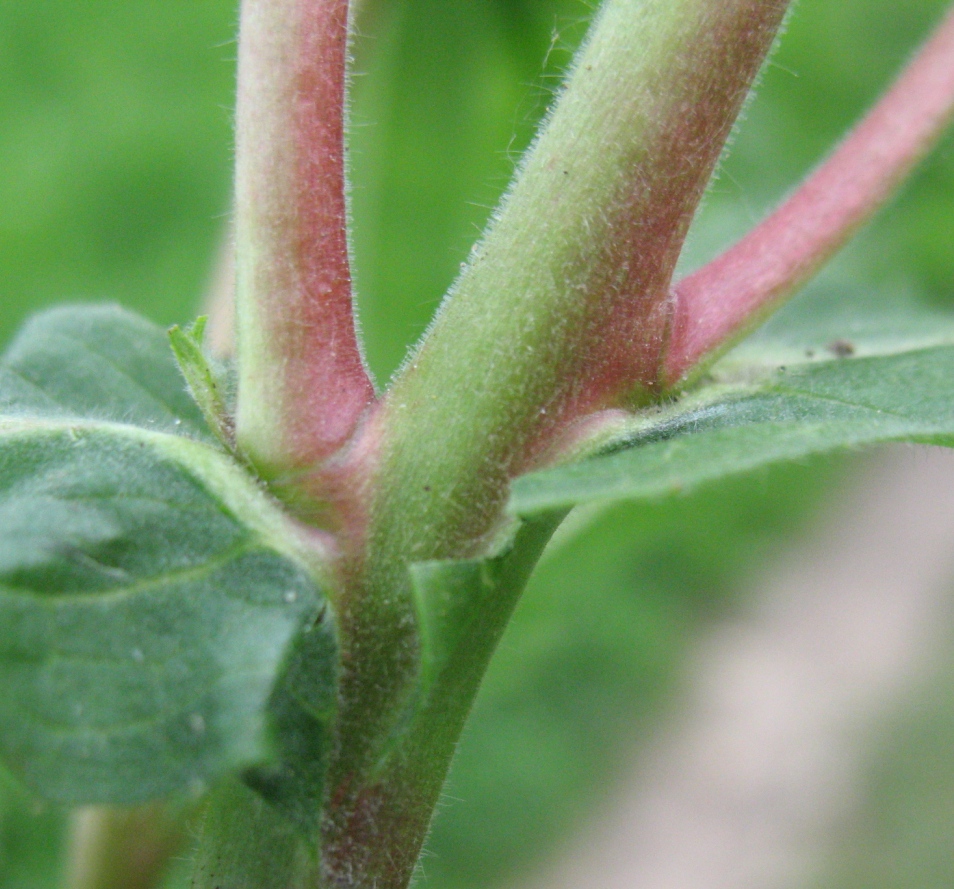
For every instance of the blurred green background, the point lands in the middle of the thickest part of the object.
(115, 153)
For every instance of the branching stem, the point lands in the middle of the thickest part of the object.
(718, 303)
(562, 311)
(564, 307)
(302, 381)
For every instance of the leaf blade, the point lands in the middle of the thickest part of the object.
(97, 362)
(154, 670)
(790, 414)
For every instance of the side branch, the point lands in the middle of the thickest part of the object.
(563, 308)
(722, 300)
(302, 381)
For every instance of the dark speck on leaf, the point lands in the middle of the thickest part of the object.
(841, 348)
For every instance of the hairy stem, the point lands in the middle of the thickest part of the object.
(302, 381)
(562, 310)
(564, 307)
(717, 304)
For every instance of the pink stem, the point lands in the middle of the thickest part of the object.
(715, 304)
(302, 380)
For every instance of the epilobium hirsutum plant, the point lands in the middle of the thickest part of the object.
(280, 589)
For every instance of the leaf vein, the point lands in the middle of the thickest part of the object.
(170, 578)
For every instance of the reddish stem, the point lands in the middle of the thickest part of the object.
(303, 383)
(715, 304)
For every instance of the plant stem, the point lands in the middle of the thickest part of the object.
(562, 311)
(302, 381)
(717, 304)
(376, 821)
(564, 307)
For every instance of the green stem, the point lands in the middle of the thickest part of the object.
(563, 310)
(564, 307)
(378, 818)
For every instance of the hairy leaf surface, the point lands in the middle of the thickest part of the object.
(770, 400)
(97, 362)
(153, 600)
(143, 619)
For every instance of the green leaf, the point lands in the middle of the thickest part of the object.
(31, 839)
(788, 413)
(101, 363)
(840, 309)
(263, 831)
(246, 844)
(463, 608)
(205, 383)
(150, 599)
(158, 611)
